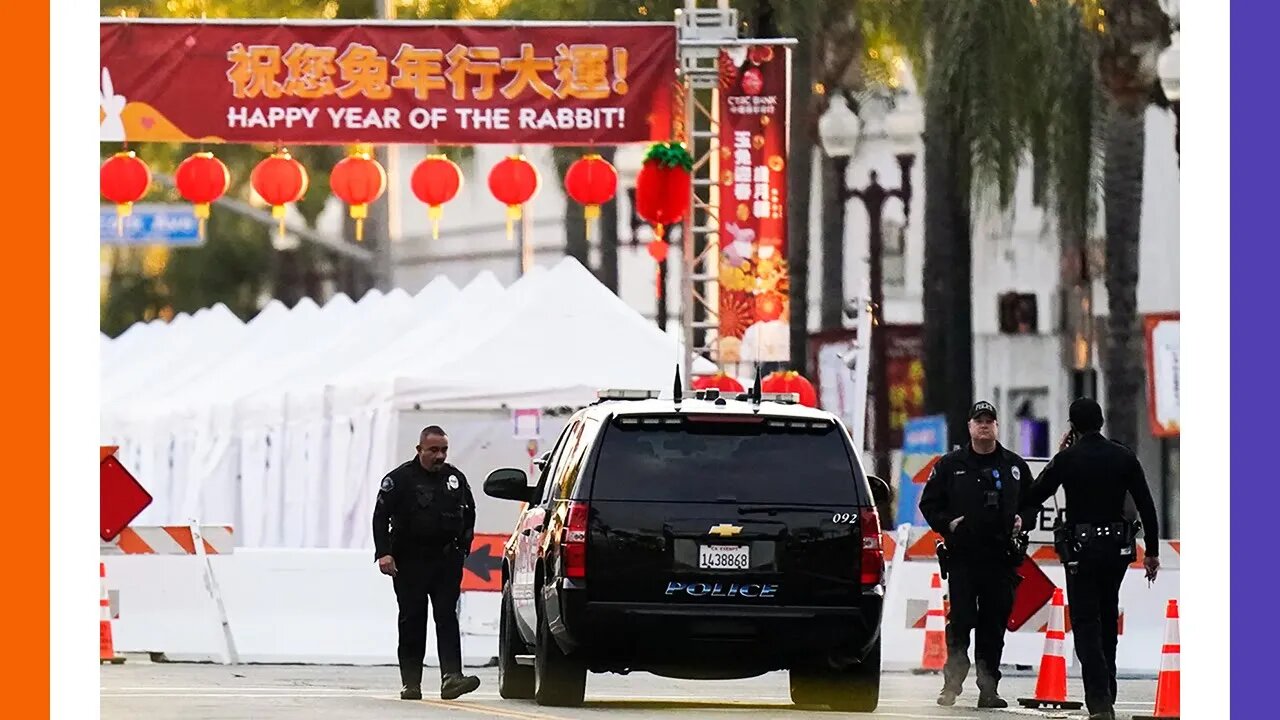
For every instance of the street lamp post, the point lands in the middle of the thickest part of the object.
(838, 134)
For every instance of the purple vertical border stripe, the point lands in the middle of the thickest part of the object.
(1255, 395)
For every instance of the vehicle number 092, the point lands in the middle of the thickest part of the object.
(844, 518)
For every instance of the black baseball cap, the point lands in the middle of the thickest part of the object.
(1085, 415)
(982, 407)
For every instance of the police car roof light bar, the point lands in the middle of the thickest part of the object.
(787, 398)
(626, 394)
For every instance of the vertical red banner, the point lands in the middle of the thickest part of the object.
(754, 278)
(904, 348)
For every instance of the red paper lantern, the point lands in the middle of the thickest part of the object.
(513, 181)
(790, 381)
(726, 384)
(279, 180)
(124, 178)
(358, 180)
(664, 185)
(436, 180)
(201, 179)
(591, 181)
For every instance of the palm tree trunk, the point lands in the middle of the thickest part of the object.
(948, 301)
(1122, 187)
(609, 234)
(575, 229)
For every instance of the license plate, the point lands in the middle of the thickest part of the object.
(724, 557)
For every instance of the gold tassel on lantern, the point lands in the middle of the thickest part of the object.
(435, 212)
(513, 214)
(278, 212)
(589, 213)
(359, 212)
(123, 210)
(202, 214)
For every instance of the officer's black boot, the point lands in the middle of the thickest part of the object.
(991, 700)
(947, 698)
(455, 685)
(411, 692)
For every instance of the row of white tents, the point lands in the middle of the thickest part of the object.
(284, 425)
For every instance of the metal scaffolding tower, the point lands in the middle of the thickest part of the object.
(706, 27)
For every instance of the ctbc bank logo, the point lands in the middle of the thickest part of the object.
(719, 590)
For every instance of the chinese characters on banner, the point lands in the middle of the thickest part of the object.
(753, 199)
(416, 84)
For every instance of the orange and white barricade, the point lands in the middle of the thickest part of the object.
(195, 539)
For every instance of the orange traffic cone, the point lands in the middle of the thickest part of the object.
(935, 630)
(106, 647)
(1051, 685)
(1168, 687)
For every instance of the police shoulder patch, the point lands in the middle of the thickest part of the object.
(387, 484)
(1017, 474)
(453, 482)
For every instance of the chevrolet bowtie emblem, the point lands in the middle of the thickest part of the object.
(725, 530)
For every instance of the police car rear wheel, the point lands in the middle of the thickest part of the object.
(855, 689)
(560, 680)
(515, 681)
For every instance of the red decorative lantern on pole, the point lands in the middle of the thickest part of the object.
(591, 181)
(358, 180)
(279, 180)
(201, 179)
(435, 181)
(513, 181)
(790, 381)
(720, 381)
(125, 179)
(664, 185)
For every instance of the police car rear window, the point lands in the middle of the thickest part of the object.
(771, 461)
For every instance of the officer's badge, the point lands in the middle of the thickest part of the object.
(453, 482)
(387, 484)
(995, 474)
(1017, 475)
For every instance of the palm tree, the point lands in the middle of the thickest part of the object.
(998, 91)
(1131, 35)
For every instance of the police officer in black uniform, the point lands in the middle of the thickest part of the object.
(423, 524)
(1097, 543)
(972, 500)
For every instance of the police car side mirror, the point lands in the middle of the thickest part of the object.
(508, 484)
(541, 462)
(881, 491)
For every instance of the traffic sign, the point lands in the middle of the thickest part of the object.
(170, 224)
(122, 496)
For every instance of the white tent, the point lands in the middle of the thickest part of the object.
(572, 337)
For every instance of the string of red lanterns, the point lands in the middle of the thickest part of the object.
(662, 186)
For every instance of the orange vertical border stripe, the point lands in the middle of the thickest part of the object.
(24, 295)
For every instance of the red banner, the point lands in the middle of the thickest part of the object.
(754, 280)
(904, 351)
(335, 83)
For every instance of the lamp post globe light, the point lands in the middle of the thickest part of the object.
(839, 128)
(905, 123)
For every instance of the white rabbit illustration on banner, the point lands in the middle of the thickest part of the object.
(112, 128)
(739, 250)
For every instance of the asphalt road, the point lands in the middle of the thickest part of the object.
(166, 691)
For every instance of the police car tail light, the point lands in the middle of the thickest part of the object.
(574, 545)
(872, 549)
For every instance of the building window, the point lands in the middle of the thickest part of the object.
(1018, 313)
(894, 258)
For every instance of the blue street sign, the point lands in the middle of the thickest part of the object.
(152, 224)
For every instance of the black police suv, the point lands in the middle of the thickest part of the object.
(711, 538)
